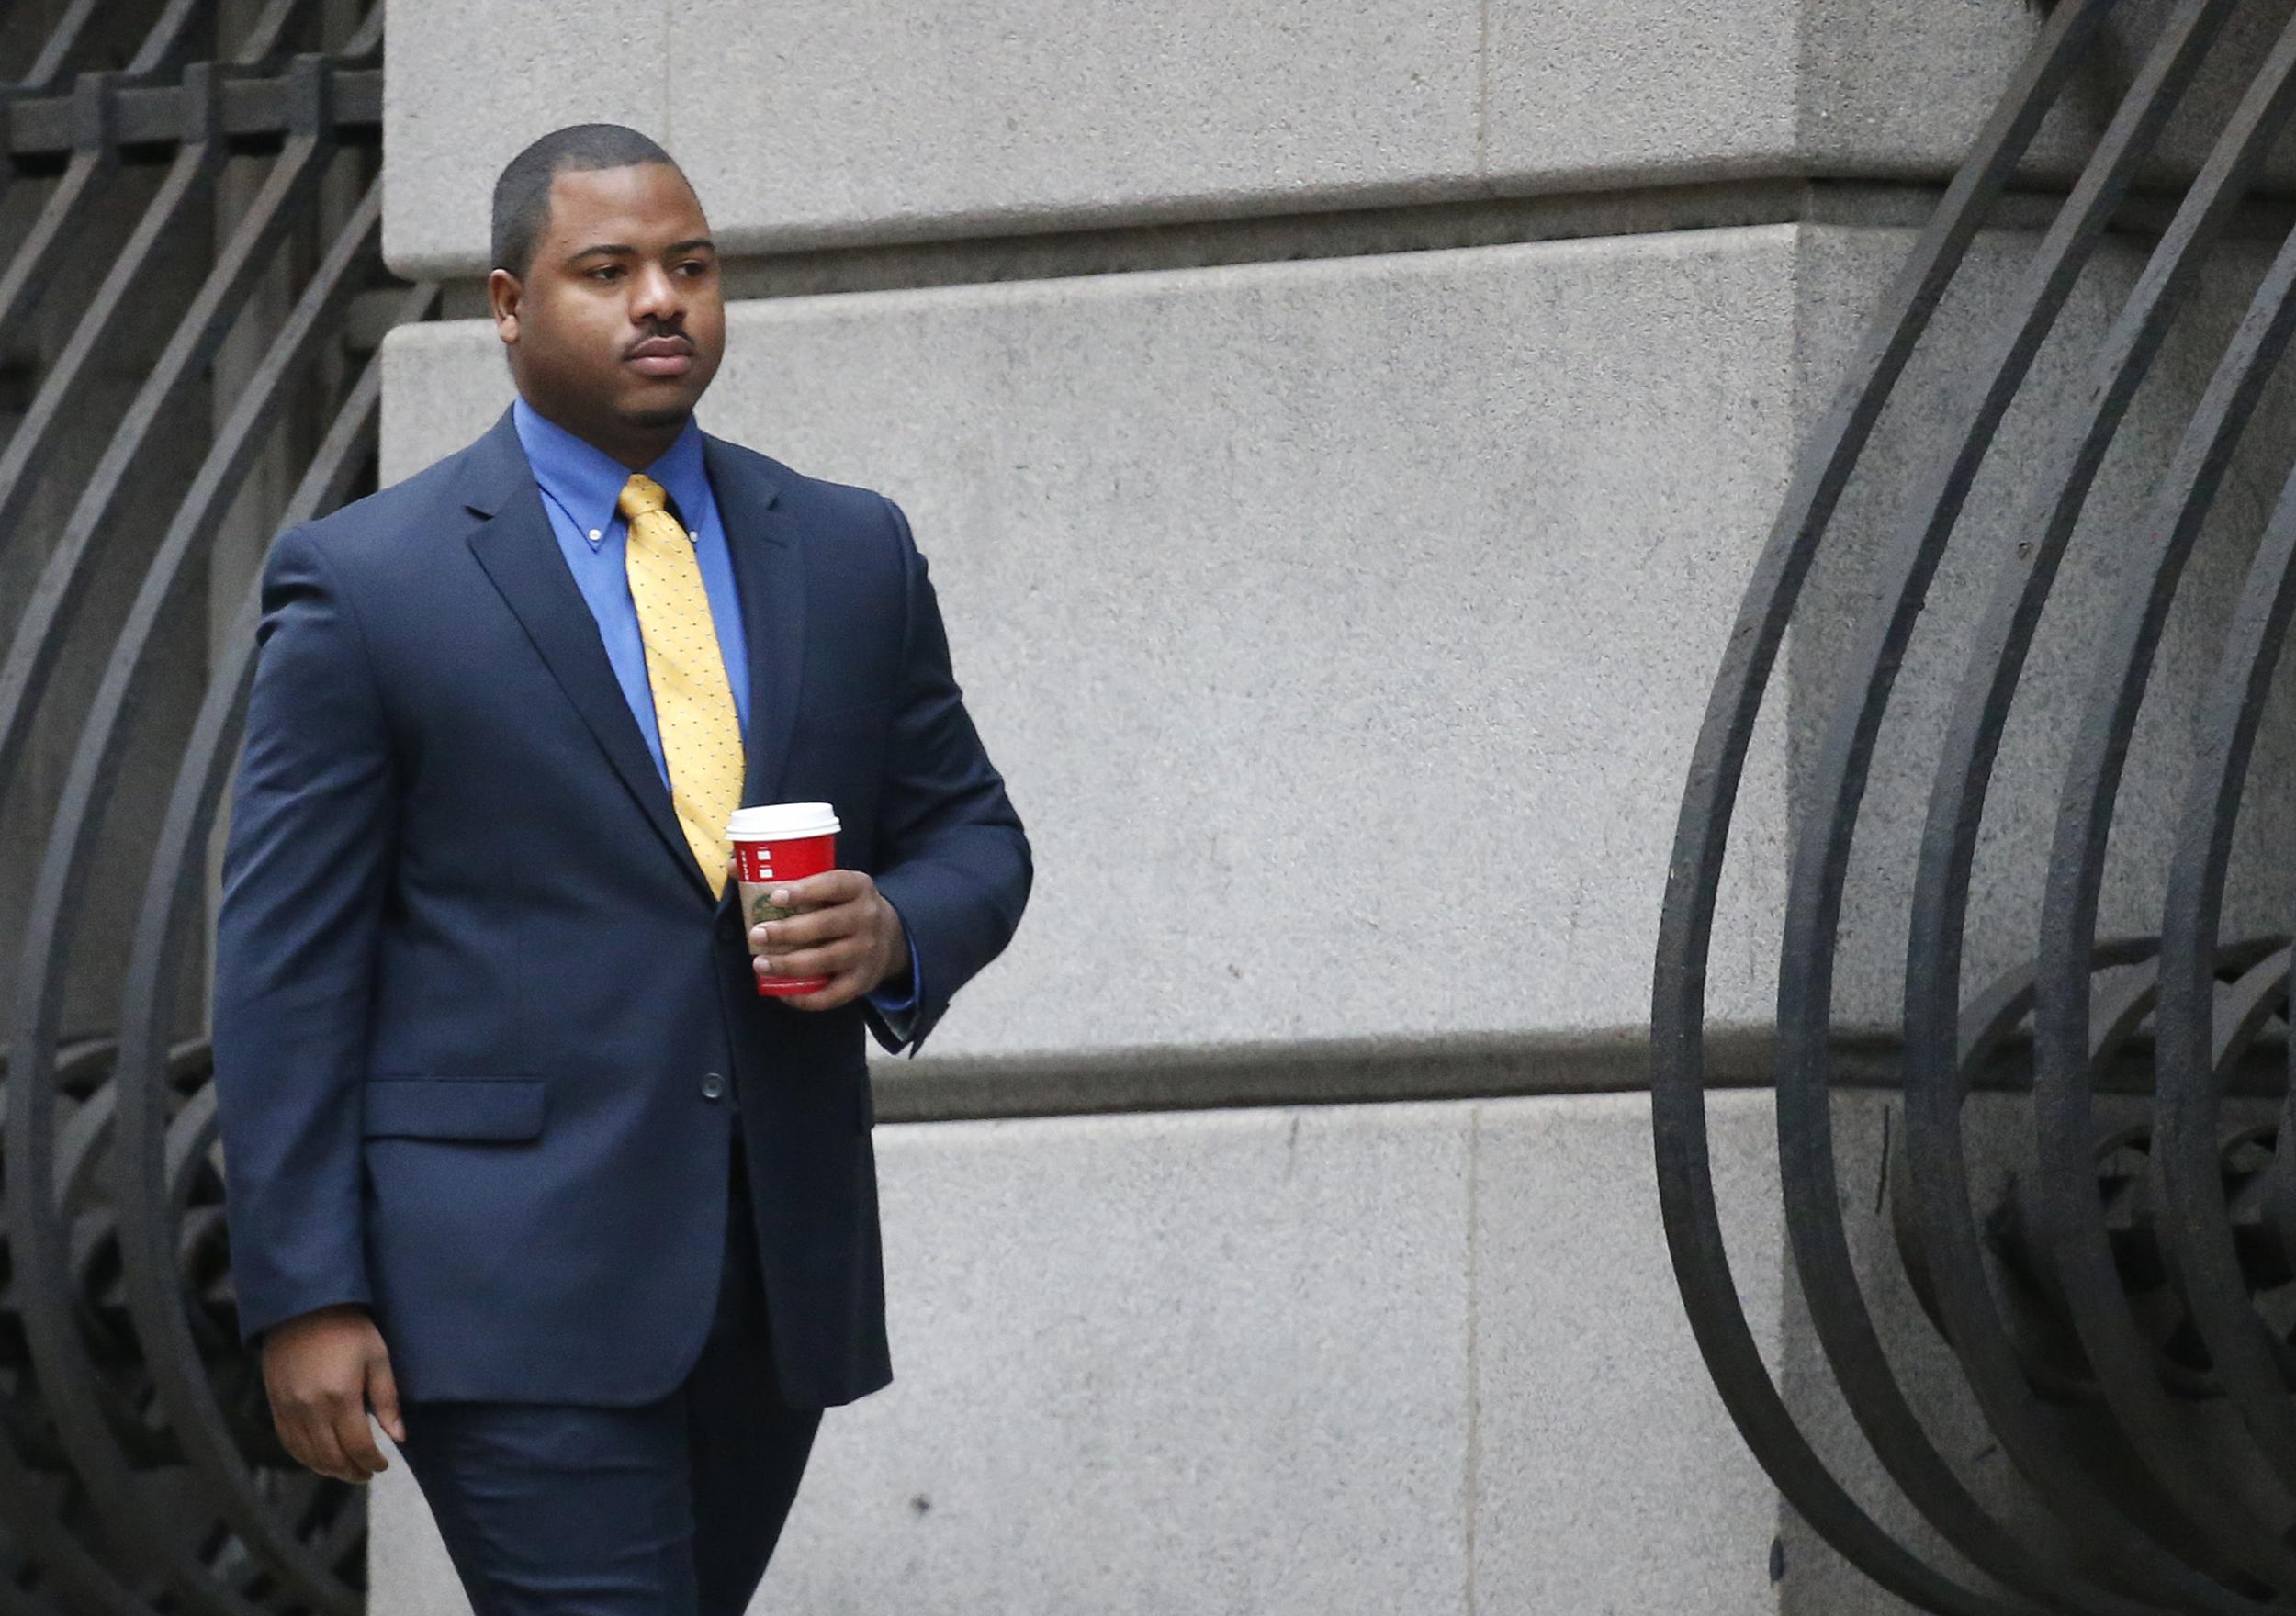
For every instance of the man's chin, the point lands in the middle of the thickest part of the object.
(658, 415)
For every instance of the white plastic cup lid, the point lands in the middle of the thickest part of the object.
(781, 822)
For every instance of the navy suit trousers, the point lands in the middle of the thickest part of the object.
(665, 1508)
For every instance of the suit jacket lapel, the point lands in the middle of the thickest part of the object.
(769, 577)
(519, 551)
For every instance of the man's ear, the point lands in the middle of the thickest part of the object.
(505, 296)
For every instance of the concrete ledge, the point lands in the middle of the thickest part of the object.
(1316, 1072)
(1335, 1073)
(869, 121)
(1368, 232)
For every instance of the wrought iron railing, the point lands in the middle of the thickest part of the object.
(2130, 1271)
(225, 157)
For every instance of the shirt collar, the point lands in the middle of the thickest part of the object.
(586, 482)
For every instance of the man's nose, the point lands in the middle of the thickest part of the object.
(654, 294)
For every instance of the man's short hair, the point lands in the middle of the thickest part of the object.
(521, 191)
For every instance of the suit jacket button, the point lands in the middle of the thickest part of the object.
(713, 1086)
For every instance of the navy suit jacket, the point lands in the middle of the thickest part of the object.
(476, 1015)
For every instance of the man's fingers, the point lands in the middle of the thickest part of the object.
(830, 888)
(316, 1447)
(830, 960)
(838, 953)
(815, 926)
(297, 1446)
(357, 1439)
(382, 1395)
(841, 990)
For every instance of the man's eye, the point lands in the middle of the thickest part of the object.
(696, 265)
(605, 271)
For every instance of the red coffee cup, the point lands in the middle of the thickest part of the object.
(775, 844)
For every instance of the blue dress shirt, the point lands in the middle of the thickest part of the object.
(581, 490)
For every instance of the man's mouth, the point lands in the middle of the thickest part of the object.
(663, 356)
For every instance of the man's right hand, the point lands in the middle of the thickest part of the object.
(322, 1369)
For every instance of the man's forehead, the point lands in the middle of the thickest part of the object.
(651, 193)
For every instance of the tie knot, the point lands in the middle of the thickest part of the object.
(640, 495)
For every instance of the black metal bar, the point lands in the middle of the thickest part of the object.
(164, 45)
(1934, 1210)
(40, 1237)
(1940, 899)
(55, 53)
(181, 1345)
(89, 125)
(2070, 1219)
(191, 172)
(266, 35)
(1822, 1253)
(87, 793)
(110, 1227)
(1981, 710)
(254, 116)
(2124, 1275)
(1678, 1095)
(38, 635)
(2192, 1028)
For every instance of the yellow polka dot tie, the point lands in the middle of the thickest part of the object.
(693, 705)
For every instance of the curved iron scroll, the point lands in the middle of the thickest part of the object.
(189, 197)
(2134, 1264)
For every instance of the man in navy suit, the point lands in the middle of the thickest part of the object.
(518, 1158)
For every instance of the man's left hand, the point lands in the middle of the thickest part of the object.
(842, 929)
